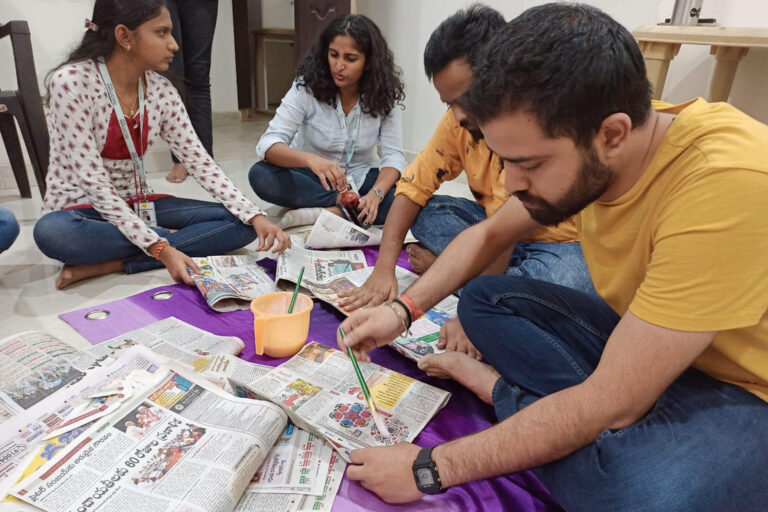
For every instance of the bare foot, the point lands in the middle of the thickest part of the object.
(71, 274)
(420, 258)
(472, 374)
(177, 174)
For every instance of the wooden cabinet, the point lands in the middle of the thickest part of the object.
(312, 16)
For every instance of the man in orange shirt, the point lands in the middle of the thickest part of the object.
(551, 254)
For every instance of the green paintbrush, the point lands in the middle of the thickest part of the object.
(296, 291)
(377, 419)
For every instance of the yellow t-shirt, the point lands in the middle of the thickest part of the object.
(452, 150)
(687, 247)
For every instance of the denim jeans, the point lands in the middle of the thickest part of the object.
(9, 228)
(82, 237)
(194, 22)
(299, 187)
(703, 446)
(444, 217)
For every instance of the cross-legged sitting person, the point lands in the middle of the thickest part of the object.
(653, 395)
(107, 105)
(345, 101)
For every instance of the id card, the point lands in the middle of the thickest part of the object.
(146, 212)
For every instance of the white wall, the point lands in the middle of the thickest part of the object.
(407, 25)
(56, 27)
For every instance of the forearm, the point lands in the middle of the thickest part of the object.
(387, 178)
(500, 264)
(401, 215)
(549, 429)
(284, 156)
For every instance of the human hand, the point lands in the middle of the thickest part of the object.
(268, 233)
(369, 207)
(177, 262)
(367, 329)
(330, 173)
(387, 471)
(381, 286)
(453, 338)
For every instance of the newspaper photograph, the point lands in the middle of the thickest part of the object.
(320, 267)
(333, 232)
(172, 338)
(228, 283)
(181, 444)
(320, 392)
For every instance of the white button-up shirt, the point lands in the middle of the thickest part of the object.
(306, 124)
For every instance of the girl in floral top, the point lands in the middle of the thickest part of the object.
(94, 225)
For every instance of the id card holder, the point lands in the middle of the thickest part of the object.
(146, 212)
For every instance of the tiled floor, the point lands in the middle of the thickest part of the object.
(28, 299)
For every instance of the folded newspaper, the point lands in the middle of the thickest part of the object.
(320, 267)
(320, 392)
(333, 232)
(228, 283)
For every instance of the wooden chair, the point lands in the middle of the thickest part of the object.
(26, 107)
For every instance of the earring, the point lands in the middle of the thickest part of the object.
(128, 48)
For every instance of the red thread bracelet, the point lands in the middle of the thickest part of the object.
(416, 311)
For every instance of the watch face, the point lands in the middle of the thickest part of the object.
(425, 477)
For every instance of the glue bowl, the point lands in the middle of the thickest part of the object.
(276, 332)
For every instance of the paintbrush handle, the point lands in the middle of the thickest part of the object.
(360, 377)
(296, 291)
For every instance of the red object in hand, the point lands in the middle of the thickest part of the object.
(349, 199)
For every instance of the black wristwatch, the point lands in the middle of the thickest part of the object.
(425, 473)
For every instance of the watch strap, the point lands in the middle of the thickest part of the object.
(379, 194)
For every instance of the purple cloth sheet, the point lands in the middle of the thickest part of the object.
(464, 413)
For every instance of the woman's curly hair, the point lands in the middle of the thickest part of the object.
(380, 85)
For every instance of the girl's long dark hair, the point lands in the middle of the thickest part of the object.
(107, 14)
(380, 85)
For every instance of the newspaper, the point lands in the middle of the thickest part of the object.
(180, 444)
(320, 267)
(223, 367)
(333, 232)
(320, 392)
(174, 339)
(99, 393)
(273, 502)
(421, 339)
(228, 283)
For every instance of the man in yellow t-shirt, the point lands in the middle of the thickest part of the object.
(653, 395)
(457, 146)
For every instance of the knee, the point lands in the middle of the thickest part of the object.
(263, 180)
(9, 229)
(50, 234)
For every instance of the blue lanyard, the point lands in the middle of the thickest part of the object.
(138, 161)
(349, 143)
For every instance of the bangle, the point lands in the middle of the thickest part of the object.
(157, 248)
(407, 311)
(415, 310)
(399, 316)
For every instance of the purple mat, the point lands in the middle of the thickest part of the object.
(463, 415)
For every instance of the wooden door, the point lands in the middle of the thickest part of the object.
(312, 16)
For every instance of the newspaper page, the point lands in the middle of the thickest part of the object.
(101, 392)
(223, 367)
(171, 338)
(228, 283)
(333, 473)
(320, 267)
(319, 390)
(333, 232)
(182, 444)
(35, 365)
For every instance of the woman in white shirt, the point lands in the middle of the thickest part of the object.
(345, 101)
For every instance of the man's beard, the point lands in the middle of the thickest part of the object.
(473, 130)
(592, 181)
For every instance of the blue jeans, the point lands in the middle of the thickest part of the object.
(703, 446)
(9, 228)
(299, 187)
(194, 22)
(83, 237)
(444, 217)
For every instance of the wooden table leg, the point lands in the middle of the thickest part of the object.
(726, 62)
(657, 57)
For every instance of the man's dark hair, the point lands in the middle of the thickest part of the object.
(461, 35)
(571, 65)
(381, 87)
